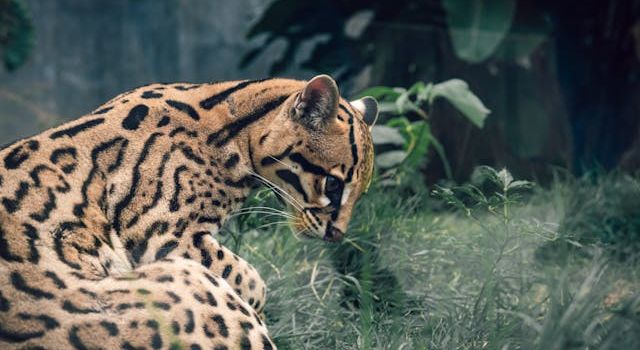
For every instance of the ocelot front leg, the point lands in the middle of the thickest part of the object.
(222, 262)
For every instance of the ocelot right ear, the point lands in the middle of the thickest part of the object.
(317, 103)
(368, 106)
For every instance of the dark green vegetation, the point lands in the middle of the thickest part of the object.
(495, 264)
(560, 79)
(16, 33)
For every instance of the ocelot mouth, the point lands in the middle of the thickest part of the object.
(333, 234)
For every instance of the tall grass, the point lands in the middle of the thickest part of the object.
(500, 273)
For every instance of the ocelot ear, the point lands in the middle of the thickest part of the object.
(317, 102)
(368, 106)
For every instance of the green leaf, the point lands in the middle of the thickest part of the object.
(390, 159)
(423, 94)
(449, 197)
(458, 94)
(505, 178)
(482, 173)
(384, 93)
(382, 134)
(520, 185)
(387, 107)
(416, 88)
(399, 122)
(473, 192)
(477, 27)
(404, 101)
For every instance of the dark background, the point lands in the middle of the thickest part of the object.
(562, 85)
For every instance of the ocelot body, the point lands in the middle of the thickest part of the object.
(107, 223)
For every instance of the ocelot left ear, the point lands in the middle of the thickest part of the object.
(368, 106)
(317, 103)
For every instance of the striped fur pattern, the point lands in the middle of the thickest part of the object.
(107, 222)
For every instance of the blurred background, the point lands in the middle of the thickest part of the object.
(561, 80)
(505, 211)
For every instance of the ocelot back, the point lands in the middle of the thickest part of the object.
(107, 222)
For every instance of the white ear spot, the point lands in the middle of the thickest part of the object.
(368, 107)
(359, 105)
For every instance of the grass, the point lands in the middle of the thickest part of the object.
(503, 272)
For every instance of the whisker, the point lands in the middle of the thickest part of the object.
(272, 224)
(276, 188)
(262, 211)
(285, 195)
(271, 184)
(262, 208)
(266, 215)
(281, 162)
(303, 232)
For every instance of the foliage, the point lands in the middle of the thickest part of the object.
(16, 33)
(299, 21)
(603, 210)
(415, 136)
(468, 279)
(504, 193)
(337, 49)
(477, 33)
(340, 36)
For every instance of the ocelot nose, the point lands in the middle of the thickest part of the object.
(333, 234)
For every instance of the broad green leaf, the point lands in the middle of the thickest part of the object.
(382, 134)
(477, 27)
(387, 107)
(458, 94)
(381, 93)
(390, 159)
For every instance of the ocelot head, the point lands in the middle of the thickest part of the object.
(319, 156)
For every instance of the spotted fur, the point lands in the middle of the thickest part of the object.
(107, 223)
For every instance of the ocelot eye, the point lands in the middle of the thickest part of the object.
(332, 184)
